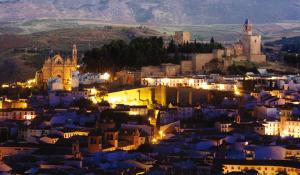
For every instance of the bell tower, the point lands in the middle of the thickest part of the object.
(75, 54)
(248, 28)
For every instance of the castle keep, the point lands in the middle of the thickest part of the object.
(249, 46)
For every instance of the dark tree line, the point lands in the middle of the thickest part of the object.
(118, 54)
(195, 47)
(241, 69)
(292, 59)
(140, 52)
(291, 45)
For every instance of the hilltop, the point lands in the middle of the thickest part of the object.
(21, 55)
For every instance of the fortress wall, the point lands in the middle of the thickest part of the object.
(164, 96)
(199, 61)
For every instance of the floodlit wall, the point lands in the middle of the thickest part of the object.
(162, 95)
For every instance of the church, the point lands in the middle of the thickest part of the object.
(58, 67)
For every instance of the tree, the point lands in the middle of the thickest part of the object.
(140, 52)
(145, 148)
(82, 103)
(241, 69)
(212, 40)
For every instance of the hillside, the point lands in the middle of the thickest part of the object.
(179, 12)
(22, 55)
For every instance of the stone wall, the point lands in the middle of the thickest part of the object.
(186, 66)
(200, 60)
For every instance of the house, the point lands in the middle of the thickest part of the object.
(17, 114)
(129, 139)
(50, 139)
(264, 112)
(70, 132)
(65, 98)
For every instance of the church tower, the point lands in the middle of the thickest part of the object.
(252, 44)
(75, 55)
(248, 27)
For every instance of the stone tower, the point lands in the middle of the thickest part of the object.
(182, 37)
(252, 44)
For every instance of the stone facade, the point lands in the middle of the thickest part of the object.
(58, 67)
(182, 37)
(167, 69)
(126, 77)
(200, 60)
(186, 66)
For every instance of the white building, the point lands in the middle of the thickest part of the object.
(55, 84)
(88, 78)
(199, 82)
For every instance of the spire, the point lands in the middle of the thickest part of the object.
(74, 54)
(247, 21)
(248, 27)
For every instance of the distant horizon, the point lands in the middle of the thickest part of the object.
(167, 12)
(100, 21)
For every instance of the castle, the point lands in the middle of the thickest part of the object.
(58, 67)
(249, 46)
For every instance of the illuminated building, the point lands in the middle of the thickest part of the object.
(138, 110)
(223, 126)
(267, 167)
(16, 104)
(291, 128)
(193, 82)
(272, 128)
(68, 133)
(284, 127)
(58, 67)
(50, 139)
(89, 78)
(17, 114)
(292, 152)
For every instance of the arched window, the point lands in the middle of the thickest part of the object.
(59, 62)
